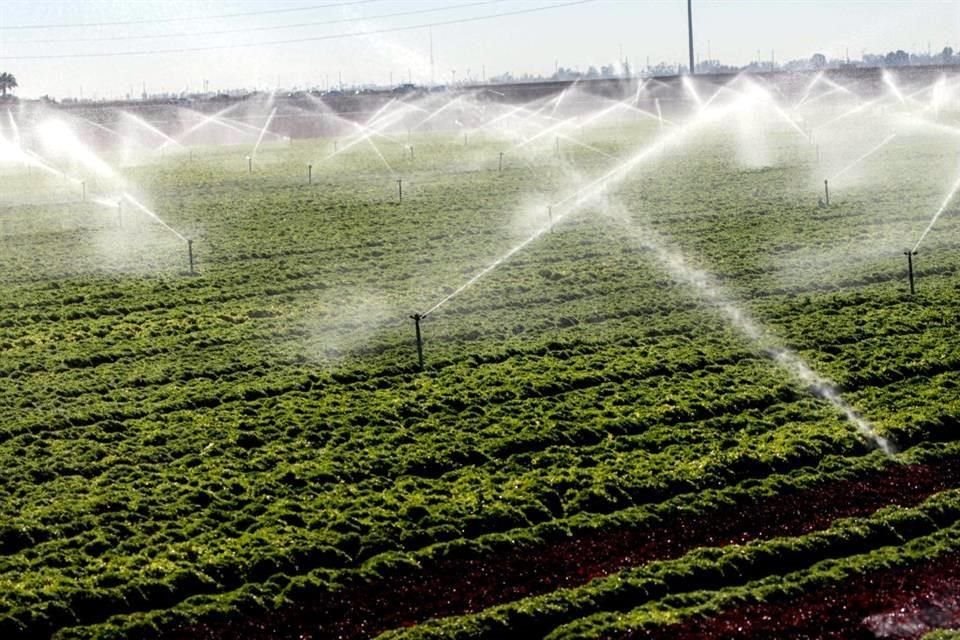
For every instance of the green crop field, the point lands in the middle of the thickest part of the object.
(253, 451)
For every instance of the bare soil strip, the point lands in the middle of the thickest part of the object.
(454, 586)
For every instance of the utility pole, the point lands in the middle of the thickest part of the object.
(690, 33)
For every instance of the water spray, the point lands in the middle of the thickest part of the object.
(416, 323)
(120, 213)
(139, 205)
(573, 203)
(703, 285)
(556, 145)
(263, 131)
(866, 155)
(910, 253)
(936, 216)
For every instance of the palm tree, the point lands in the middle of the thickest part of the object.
(7, 81)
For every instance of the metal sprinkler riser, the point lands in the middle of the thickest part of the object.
(416, 322)
(910, 255)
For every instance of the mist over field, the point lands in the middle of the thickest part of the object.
(648, 356)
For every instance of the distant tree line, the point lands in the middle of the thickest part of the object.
(817, 61)
(7, 83)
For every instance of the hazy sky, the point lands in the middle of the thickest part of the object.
(52, 56)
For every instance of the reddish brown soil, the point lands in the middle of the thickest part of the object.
(457, 586)
(901, 603)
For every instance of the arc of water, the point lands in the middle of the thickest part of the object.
(703, 284)
(517, 112)
(376, 149)
(790, 361)
(14, 129)
(373, 119)
(839, 87)
(247, 126)
(549, 130)
(556, 104)
(863, 157)
(103, 128)
(640, 88)
(142, 207)
(853, 111)
(571, 204)
(821, 96)
(266, 125)
(786, 118)
(692, 90)
(888, 80)
(623, 104)
(939, 212)
(436, 112)
(206, 119)
(149, 127)
(809, 88)
(38, 161)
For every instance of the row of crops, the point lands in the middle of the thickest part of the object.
(256, 447)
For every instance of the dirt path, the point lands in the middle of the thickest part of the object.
(894, 603)
(458, 586)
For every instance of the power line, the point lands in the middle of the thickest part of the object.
(396, 14)
(81, 25)
(337, 36)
